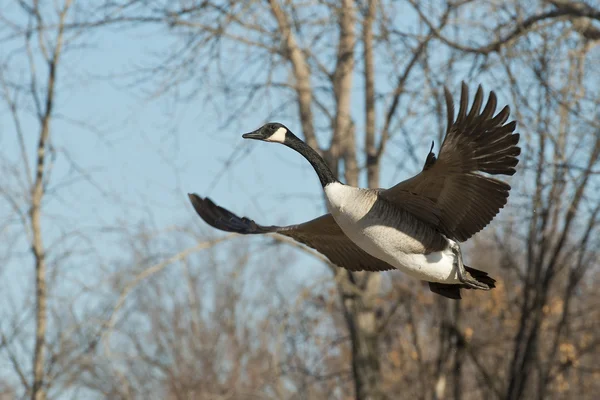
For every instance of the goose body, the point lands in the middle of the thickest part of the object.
(416, 225)
(383, 231)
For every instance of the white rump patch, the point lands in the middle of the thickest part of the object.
(278, 136)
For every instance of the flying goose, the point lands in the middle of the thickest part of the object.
(415, 226)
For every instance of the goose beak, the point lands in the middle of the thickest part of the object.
(254, 135)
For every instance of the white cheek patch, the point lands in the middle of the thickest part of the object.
(278, 136)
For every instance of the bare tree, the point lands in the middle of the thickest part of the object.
(42, 92)
(560, 206)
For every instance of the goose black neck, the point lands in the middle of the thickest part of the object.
(321, 168)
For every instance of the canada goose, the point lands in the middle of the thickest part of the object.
(416, 225)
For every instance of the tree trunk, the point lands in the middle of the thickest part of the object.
(359, 302)
(369, 65)
(37, 248)
(38, 391)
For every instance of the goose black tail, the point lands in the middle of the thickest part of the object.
(452, 291)
(481, 276)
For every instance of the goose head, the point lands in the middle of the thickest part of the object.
(271, 132)
(278, 133)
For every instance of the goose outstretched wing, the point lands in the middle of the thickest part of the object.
(476, 143)
(322, 234)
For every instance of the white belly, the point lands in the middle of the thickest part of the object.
(379, 241)
(383, 242)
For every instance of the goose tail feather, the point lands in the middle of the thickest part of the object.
(452, 291)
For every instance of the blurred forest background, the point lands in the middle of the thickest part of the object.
(111, 286)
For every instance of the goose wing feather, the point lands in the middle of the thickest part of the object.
(476, 142)
(322, 234)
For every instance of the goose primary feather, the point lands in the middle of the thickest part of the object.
(416, 225)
